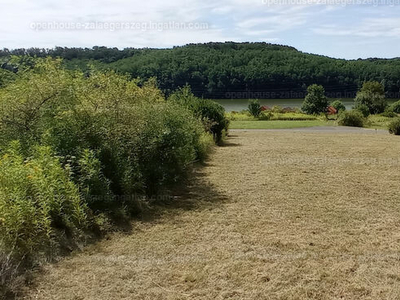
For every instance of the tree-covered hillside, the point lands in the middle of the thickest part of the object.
(233, 70)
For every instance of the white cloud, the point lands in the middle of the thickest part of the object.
(276, 23)
(371, 27)
(233, 20)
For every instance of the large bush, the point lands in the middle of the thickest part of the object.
(211, 113)
(315, 102)
(125, 127)
(394, 126)
(352, 118)
(85, 148)
(372, 94)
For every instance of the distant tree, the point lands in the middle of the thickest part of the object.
(372, 95)
(373, 87)
(213, 69)
(315, 102)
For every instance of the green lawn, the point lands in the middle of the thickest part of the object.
(378, 122)
(248, 122)
(278, 124)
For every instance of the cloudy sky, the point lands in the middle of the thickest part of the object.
(337, 28)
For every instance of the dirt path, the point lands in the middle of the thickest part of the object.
(274, 215)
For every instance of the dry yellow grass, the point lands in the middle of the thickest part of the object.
(274, 215)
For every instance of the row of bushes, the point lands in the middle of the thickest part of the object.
(355, 118)
(370, 98)
(268, 115)
(77, 151)
(275, 113)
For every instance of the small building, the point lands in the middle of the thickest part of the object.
(332, 110)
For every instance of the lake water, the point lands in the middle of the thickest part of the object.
(241, 104)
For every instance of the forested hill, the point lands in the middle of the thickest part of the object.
(233, 70)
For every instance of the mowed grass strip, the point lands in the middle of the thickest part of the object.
(273, 215)
(278, 124)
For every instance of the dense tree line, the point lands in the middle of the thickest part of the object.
(233, 70)
(103, 54)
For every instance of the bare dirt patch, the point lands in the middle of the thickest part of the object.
(274, 215)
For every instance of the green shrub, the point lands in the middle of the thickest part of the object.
(395, 107)
(394, 126)
(277, 109)
(204, 146)
(138, 141)
(338, 105)
(37, 197)
(352, 118)
(41, 211)
(363, 109)
(265, 115)
(375, 103)
(254, 108)
(211, 113)
(94, 186)
(167, 145)
(389, 114)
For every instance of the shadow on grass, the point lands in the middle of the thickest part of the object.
(231, 145)
(195, 193)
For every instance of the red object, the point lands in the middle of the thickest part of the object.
(332, 110)
(264, 108)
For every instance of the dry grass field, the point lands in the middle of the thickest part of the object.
(273, 215)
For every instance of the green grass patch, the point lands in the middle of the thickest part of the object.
(378, 122)
(293, 117)
(278, 124)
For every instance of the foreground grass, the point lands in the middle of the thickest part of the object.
(274, 215)
(278, 124)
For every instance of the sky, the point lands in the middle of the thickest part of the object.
(348, 29)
